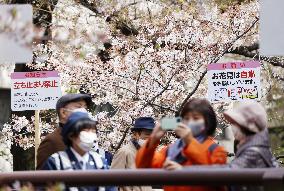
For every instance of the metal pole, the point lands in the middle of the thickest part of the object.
(272, 180)
(37, 134)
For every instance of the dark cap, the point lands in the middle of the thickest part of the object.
(68, 98)
(144, 123)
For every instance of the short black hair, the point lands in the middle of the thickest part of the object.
(204, 107)
(77, 128)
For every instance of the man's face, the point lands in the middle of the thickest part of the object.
(66, 111)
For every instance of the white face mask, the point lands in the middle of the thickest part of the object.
(197, 127)
(87, 140)
(141, 142)
(238, 134)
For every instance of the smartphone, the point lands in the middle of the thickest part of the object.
(170, 123)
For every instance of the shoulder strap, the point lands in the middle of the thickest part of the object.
(267, 162)
(66, 163)
(57, 160)
(174, 152)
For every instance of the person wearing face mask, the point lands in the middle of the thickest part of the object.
(79, 134)
(195, 145)
(125, 157)
(252, 148)
(249, 125)
(64, 107)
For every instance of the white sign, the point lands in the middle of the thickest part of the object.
(16, 33)
(35, 90)
(234, 81)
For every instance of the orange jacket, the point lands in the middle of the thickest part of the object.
(196, 154)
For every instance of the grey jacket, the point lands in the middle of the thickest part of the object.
(254, 153)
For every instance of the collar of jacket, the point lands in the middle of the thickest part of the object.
(76, 164)
(73, 159)
(83, 159)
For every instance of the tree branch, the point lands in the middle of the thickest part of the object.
(149, 12)
(139, 75)
(157, 81)
(192, 92)
(122, 138)
(90, 6)
(161, 92)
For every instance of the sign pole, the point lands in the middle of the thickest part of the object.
(37, 134)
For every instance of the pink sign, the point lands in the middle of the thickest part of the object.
(234, 81)
(35, 90)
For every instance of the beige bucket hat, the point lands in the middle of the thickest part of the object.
(250, 115)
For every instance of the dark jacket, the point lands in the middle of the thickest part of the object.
(106, 154)
(254, 153)
(51, 144)
(66, 160)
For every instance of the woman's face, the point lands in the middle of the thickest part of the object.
(85, 140)
(193, 116)
(76, 139)
(237, 132)
(196, 122)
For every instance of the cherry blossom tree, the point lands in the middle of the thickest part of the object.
(145, 58)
